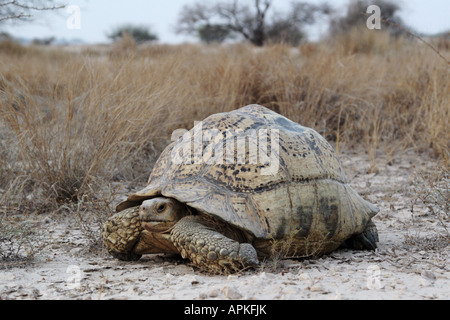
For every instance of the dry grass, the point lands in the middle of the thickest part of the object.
(19, 241)
(433, 191)
(72, 122)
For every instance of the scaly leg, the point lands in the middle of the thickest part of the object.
(121, 232)
(209, 249)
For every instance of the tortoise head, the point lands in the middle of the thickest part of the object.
(160, 214)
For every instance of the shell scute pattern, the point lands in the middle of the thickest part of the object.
(307, 194)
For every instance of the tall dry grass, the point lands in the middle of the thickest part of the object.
(71, 122)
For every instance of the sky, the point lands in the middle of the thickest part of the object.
(91, 20)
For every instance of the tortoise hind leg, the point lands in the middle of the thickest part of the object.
(209, 249)
(367, 240)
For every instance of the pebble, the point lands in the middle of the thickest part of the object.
(193, 280)
(202, 296)
(36, 293)
(430, 296)
(231, 293)
(428, 275)
(213, 293)
(232, 277)
(305, 276)
(427, 278)
(316, 288)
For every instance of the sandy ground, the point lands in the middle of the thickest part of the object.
(412, 262)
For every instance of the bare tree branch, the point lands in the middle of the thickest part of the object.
(22, 9)
(13, 17)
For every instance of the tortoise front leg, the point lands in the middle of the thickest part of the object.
(209, 249)
(126, 239)
(121, 232)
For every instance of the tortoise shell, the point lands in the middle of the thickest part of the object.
(262, 173)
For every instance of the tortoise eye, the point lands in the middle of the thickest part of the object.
(161, 208)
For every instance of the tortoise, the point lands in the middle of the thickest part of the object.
(242, 186)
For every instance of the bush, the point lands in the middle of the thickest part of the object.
(433, 190)
(19, 242)
(213, 33)
(140, 34)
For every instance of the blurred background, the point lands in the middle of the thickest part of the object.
(98, 19)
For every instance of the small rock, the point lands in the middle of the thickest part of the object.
(202, 296)
(305, 276)
(231, 293)
(316, 288)
(232, 277)
(428, 275)
(213, 293)
(431, 296)
(192, 280)
(76, 251)
(427, 278)
(36, 293)
(332, 272)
